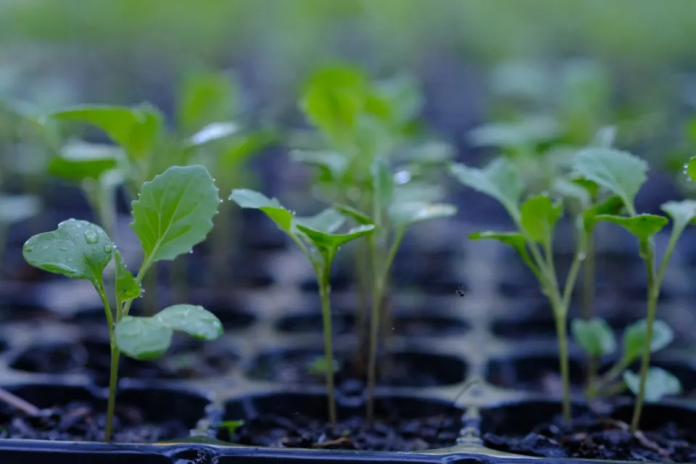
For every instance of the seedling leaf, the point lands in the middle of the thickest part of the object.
(610, 206)
(658, 384)
(246, 198)
(499, 180)
(212, 132)
(539, 217)
(594, 336)
(642, 226)
(335, 163)
(690, 169)
(142, 337)
(79, 161)
(326, 222)
(193, 320)
(175, 212)
(328, 242)
(634, 338)
(620, 172)
(514, 239)
(403, 214)
(231, 426)
(359, 217)
(77, 249)
(127, 287)
(681, 212)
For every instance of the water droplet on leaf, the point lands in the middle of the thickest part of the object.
(91, 237)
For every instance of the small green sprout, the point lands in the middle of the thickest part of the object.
(319, 366)
(231, 426)
(318, 238)
(624, 174)
(174, 213)
(597, 339)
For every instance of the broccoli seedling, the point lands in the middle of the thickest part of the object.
(318, 239)
(597, 339)
(624, 174)
(173, 213)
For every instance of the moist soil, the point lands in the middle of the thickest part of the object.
(591, 436)
(80, 421)
(391, 432)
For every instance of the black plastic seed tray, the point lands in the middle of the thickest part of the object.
(487, 359)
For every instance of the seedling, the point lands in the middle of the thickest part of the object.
(318, 239)
(597, 339)
(623, 174)
(173, 213)
(535, 221)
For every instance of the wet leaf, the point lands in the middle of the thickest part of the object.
(246, 198)
(658, 384)
(127, 287)
(142, 337)
(594, 336)
(193, 320)
(77, 249)
(635, 338)
(175, 212)
(642, 226)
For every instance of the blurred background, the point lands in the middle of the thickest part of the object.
(544, 67)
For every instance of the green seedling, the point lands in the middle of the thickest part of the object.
(623, 174)
(231, 426)
(319, 366)
(318, 238)
(597, 339)
(535, 220)
(173, 213)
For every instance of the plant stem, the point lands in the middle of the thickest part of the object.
(588, 280)
(380, 277)
(561, 330)
(323, 273)
(653, 293)
(115, 355)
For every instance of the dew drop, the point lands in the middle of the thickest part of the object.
(91, 237)
(63, 249)
(582, 256)
(108, 248)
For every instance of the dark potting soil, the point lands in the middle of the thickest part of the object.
(390, 432)
(591, 436)
(80, 421)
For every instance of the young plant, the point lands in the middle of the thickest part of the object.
(318, 239)
(173, 213)
(623, 174)
(597, 339)
(535, 220)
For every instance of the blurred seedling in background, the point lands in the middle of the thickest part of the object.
(597, 340)
(173, 213)
(361, 127)
(623, 174)
(319, 239)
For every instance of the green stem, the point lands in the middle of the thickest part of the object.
(561, 331)
(115, 355)
(324, 291)
(380, 277)
(613, 373)
(653, 293)
(588, 281)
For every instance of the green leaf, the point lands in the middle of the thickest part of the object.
(205, 97)
(539, 217)
(635, 338)
(327, 221)
(127, 287)
(403, 97)
(135, 129)
(499, 180)
(568, 189)
(514, 239)
(610, 206)
(246, 198)
(382, 182)
(211, 133)
(531, 130)
(642, 226)
(620, 172)
(77, 249)
(681, 212)
(319, 366)
(331, 242)
(594, 336)
(658, 384)
(690, 168)
(79, 161)
(359, 217)
(333, 162)
(175, 212)
(142, 337)
(193, 320)
(15, 208)
(231, 426)
(243, 147)
(333, 99)
(403, 214)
